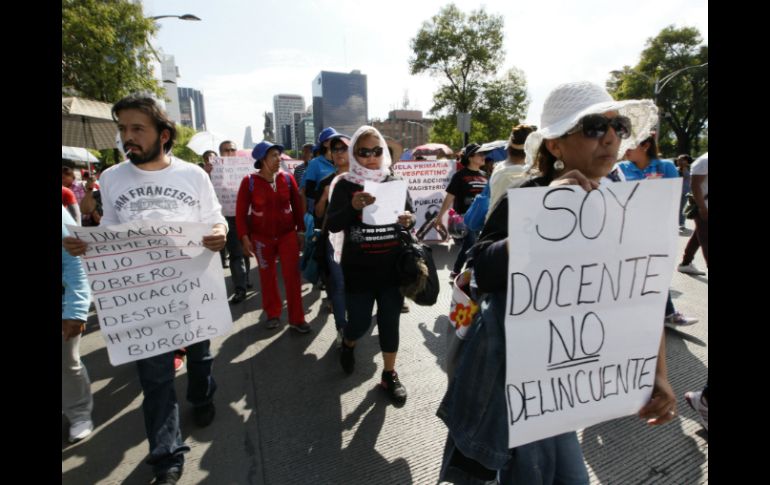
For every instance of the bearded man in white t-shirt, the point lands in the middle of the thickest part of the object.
(157, 186)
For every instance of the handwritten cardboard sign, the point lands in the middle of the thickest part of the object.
(588, 279)
(226, 177)
(155, 287)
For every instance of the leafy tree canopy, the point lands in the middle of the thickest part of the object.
(675, 60)
(105, 49)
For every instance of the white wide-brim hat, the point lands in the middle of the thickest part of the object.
(569, 102)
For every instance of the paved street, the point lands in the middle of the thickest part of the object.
(287, 414)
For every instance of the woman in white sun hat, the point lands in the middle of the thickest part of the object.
(582, 132)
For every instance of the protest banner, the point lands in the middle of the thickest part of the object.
(289, 164)
(226, 177)
(155, 287)
(588, 277)
(427, 181)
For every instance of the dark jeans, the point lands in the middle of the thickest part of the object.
(160, 405)
(700, 238)
(359, 306)
(239, 264)
(468, 241)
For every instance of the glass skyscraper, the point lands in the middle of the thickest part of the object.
(340, 101)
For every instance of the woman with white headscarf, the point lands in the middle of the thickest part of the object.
(582, 132)
(368, 257)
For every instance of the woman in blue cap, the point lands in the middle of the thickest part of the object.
(269, 219)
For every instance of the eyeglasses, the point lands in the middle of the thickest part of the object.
(596, 126)
(341, 149)
(368, 152)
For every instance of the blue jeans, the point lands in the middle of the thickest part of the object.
(160, 406)
(557, 460)
(336, 287)
(239, 264)
(360, 305)
(468, 241)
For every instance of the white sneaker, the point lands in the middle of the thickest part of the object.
(80, 430)
(689, 269)
(694, 399)
(676, 320)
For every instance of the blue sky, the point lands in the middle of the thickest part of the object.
(245, 51)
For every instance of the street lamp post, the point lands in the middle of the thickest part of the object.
(187, 16)
(420, 125)
(660, 83)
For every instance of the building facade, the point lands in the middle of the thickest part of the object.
(283, 107)
(169, 74)
(339, 100)
(407, 127)
(192, 109)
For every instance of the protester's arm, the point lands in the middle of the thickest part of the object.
(77, 293)
(696, 184)
(88, 204)
(320, 205)
(661, 407)
(448, 201)
(340, 213)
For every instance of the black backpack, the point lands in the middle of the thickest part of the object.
(418, 278)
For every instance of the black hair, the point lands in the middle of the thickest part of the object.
(146, 104)
(519, 134)
(223, 144)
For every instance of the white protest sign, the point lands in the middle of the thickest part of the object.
(390, 200)
(588, 279)
(226, 177)
(289, 165)
(155, 287)
(427, 182)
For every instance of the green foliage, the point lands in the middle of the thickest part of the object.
(464, 50)
(180, 150)
(502, 105)
(105, 53)
(682, 98)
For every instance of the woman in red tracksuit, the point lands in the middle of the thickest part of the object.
(268, 216)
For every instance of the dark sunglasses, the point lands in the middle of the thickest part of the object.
(596, 126)
(368, 152)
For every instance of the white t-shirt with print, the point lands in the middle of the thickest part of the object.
(181, 192)
(701, 167)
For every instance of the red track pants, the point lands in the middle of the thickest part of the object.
(286, 248)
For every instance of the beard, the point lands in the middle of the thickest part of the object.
(142, 157)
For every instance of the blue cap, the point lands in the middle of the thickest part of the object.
(259, 151)
(326, 134)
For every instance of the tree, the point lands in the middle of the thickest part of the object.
(105, 53)
(180, 150)
(683, 98)
(466, 52)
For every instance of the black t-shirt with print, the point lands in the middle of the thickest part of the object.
(465, 185)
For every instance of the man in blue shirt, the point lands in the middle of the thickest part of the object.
(318, 168)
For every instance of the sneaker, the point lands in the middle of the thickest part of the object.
(405, 308)
(347, 358)
(178, 362)
(238, 297)
(689, 269)
(80, 430)
(303, 327)
(676, 319)
(695, 400)
(273, 323)
(393, 386)
(170, 477)
(204, 415)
